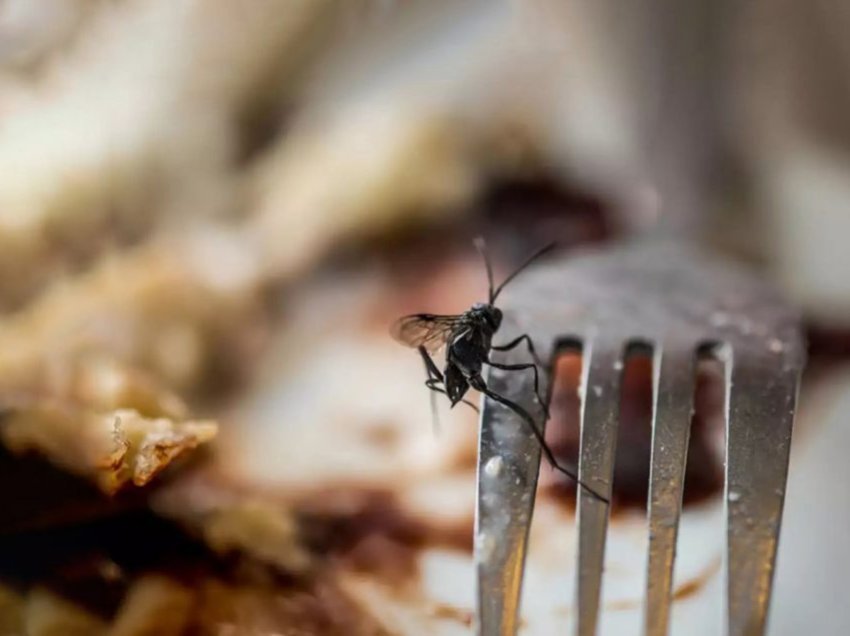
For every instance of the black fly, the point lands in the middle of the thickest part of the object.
(467, 338)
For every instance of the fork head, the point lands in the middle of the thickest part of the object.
(676, 301)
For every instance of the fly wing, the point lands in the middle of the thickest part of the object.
(431, 331)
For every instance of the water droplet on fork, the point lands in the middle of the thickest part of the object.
(493, 467)
(486, 545)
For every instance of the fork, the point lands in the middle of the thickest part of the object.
(677, 302)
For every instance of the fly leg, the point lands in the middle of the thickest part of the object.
(522, 367)
(430, 366)
(515, 342)
(477, 382)
(434, 385)
(434, 382)
(434, 378)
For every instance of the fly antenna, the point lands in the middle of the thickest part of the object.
(481, 246)
(528, 261)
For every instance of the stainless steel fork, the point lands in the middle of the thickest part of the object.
(676, 301)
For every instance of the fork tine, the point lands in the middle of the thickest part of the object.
(673, 391)
(508, 465)
(761, 399)
(602, 369)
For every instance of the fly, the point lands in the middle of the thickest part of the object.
(467, 339)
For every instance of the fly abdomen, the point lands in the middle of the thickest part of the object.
(455, 383)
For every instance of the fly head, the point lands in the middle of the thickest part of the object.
(487, 316)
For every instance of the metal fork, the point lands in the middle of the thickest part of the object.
(677, 302)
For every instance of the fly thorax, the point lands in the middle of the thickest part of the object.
(469, 349)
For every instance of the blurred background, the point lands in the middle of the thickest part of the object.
(211, 212)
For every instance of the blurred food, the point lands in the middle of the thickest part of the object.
(112, 448)
(168, 310)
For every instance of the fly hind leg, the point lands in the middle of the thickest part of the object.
(479, 384)
(522, 367)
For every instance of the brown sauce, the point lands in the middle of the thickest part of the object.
(367, 530)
